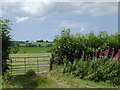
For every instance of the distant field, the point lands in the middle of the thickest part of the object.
(34, 49)
(43, 44)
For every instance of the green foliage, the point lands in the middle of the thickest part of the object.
(6, 43)
(29, 80)
(15, 49)
(69, 45)
(73, 45)
(40, 40)
(101, 69)
(79, 54)
(30, 73)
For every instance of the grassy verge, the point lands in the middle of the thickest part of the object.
(29, 80)
(53, 79)
(75, 82)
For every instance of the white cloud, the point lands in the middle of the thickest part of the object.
(21, 19)
(82, 29)
(74, 25)
(41, 10)
(60, 1)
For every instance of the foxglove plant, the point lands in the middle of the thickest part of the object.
(117, 55)
(82, 55)
(69, 63)
(96, 54)
(100, 55)
(112, 53)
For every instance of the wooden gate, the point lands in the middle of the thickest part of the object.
(19, 65)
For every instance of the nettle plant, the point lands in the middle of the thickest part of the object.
(97, 68)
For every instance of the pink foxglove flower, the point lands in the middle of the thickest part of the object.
(69, 63)
(110, 72)
(107, 51)
(112, 53)
(116, 56)
(82, 55)
(89, 59)
(119, 54)
(100, 53)
(115, 74)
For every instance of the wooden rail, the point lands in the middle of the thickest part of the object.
(20, 63)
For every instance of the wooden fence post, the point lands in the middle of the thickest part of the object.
(37, 66)
(25, 64)
(11, 66)
(51, 62)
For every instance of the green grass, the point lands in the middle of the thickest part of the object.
(53, 79)
(0, 82)
(43, 44)
(33, 49)
(29, 54)
(29, 80)
(75, 82)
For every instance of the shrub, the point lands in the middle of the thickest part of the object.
(72, 45)
(100, 69)
(6, 43)
(68, 45)
(30, 73)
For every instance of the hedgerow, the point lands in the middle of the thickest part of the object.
(88, 56)
(72, 45)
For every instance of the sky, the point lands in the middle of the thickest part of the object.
(44, 19)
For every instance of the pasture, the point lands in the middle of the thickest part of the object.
(43, 44)
(34, 49)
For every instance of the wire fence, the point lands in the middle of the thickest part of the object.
(20, 65)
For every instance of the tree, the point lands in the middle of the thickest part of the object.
(27, 41)
(46, 40)
(6, 43)
(40, 40)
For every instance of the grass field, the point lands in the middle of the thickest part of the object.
(34, 49)
(29, 54)
(43, 44)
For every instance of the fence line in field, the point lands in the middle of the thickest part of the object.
(25, 60)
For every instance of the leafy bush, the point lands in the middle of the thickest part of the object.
(15, 49)
(29, 80)
(68, 45)
(88, 56)
(30, 73)
(6, 43)
(98, 69)
(72, 45)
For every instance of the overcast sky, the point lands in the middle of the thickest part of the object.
(44, 20)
